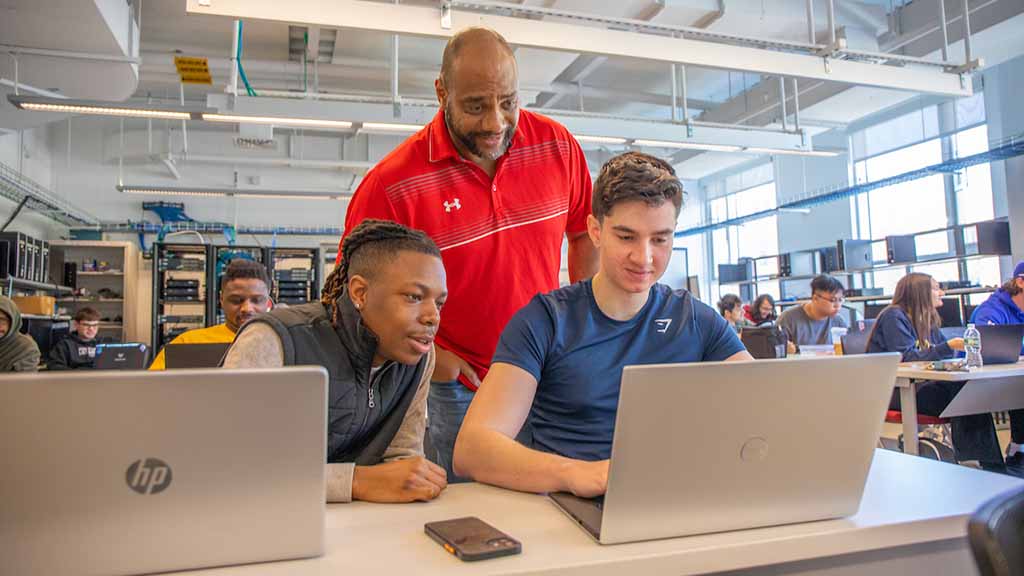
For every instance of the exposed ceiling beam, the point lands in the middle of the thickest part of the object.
(426, 21)
(585, 64)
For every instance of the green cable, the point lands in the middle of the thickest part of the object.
(241, 71)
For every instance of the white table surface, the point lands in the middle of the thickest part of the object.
(1005, 386)
(908, 501)
(917, 371)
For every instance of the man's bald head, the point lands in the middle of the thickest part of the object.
(482, 42)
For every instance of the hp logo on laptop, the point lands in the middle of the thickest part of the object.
(149, 476)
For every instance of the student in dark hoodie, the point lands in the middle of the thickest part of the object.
(373, 331)
(18, 352)
(910, 326)
(78, 350)
(1006, 306)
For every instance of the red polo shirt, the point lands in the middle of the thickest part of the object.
(500, 239)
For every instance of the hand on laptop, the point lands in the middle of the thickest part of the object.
(404, 480)
(587, 479)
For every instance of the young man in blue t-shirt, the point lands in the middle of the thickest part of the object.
(560, 358)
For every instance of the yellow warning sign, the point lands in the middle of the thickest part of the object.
(193, 70)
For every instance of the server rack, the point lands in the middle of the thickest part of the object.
(295, 272)
(223, 255)
(182, 275)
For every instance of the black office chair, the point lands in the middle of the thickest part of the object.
(996, 535)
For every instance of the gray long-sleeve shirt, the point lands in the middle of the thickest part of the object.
(259, 346)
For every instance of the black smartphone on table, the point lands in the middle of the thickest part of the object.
(471, 539)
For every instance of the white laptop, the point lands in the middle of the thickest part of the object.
(135, 472)
(710, 447)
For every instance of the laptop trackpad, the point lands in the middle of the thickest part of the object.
(586, 511)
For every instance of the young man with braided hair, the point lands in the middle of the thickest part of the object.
(373, 331)
(561, 356)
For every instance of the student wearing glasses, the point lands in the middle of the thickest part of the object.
(78, 350)
(811, 324)
(762, 311)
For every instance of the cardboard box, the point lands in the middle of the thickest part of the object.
(41, 305)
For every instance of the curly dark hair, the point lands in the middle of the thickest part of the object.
(241, 269)
(755, 309)
(368, 246)
(728, 302)
(636, 176)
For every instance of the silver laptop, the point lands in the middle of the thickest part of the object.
(710, 447)
(136, 472)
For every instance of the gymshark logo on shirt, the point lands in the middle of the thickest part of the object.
(454, 204)
(663, 325)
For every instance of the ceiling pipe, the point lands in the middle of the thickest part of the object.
(19, 50)
(345, 165)
(706, 21)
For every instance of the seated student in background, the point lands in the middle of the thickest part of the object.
(1006, 306)
(18, 352)
(811, 323)
(910, 326)
(78, 350)
(373, 331)
(731, 308)
(762, 311)
(244, 294)
(560, 358)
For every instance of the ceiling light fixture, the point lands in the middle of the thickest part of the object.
(99, 108)
(390, 128)
(687, 145)
(233, 192)
(791, 152)
(600, 139)
(276, 121)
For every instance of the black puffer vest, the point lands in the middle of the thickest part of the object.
(362, 416)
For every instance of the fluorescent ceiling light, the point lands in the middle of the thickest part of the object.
(100, 108)
(600, 139)
(687, 145)
(791, 152)
(301, 122)
(389, 128)
(233, 192)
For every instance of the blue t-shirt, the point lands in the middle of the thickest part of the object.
(577, 353)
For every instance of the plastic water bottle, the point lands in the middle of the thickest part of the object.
(972, 345)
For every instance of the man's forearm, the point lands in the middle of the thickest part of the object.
(491, 457)
(582, 257)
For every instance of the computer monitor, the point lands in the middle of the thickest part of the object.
(950, 312)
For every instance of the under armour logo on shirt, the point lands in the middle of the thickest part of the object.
(663, 324)
(454, 204)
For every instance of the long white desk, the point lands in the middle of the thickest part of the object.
(991, 389)
(912, 520)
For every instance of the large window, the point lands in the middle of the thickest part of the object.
(909, 142)
(750, 239)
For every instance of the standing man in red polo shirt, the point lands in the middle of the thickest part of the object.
(497, 188)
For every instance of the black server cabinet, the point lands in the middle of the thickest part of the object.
(182, 274)
(222, 256)
(14, 255)
(295, 273)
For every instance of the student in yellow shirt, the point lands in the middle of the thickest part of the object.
(244, 293)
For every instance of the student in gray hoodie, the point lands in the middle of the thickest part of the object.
(18, 352)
